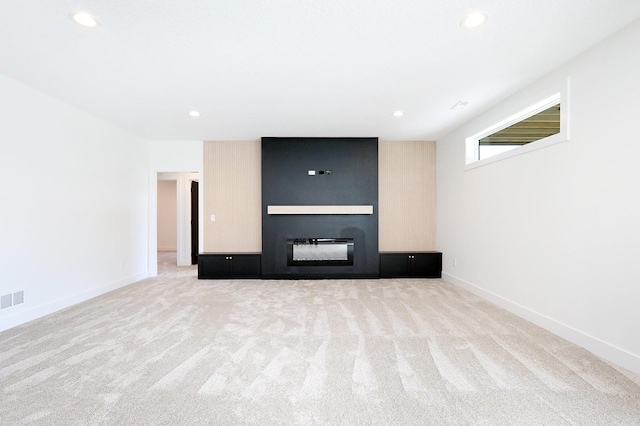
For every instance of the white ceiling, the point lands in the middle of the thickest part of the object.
(294, 67)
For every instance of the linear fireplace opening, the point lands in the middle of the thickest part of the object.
(320, 252)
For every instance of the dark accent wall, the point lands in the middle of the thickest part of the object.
(350, 177)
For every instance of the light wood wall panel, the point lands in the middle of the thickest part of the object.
(232, 192)
(407, 196)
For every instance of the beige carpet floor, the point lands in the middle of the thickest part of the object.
(175, 350)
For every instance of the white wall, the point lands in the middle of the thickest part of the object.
(73, 191)
(175, 156)
(553, 235)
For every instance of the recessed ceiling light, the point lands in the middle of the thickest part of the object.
(194, 113)
(85, 19)
(474, 19)
(398, 113)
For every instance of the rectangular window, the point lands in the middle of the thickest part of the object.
(541, 124)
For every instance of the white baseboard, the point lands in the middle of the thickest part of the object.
(40, 311)
(167, 248)
(599, 347)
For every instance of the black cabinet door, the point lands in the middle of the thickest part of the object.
(226, 265)
(405, 265)
(245, 266)
(426, 265)
(394, 265)
(214, 266)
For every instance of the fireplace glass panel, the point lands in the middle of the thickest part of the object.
(320, 252)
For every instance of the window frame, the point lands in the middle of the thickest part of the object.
(472, 142)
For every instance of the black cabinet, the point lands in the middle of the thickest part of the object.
(426, 264)
(228, 265)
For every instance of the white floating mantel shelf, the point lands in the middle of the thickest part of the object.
(320, 209)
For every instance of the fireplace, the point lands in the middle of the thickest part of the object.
(319, 208)
(320, 252)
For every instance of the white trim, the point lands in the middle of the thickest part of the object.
(47, 308)
(168, 248)
(152, 235)
(599, 347)
(183, 220)
(319, 209)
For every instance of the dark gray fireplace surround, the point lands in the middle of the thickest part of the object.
(320, 200)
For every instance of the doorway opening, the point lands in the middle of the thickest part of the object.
(177, 225)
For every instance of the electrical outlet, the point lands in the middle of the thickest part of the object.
(455, 262)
